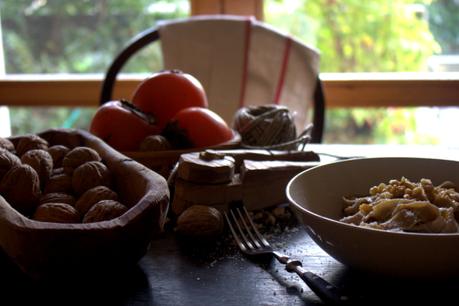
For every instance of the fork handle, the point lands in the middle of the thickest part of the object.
(328, 293)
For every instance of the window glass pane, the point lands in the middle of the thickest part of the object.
(374, 36)
(418, 125)
(379, 36)
(67, 36)
(33, 120)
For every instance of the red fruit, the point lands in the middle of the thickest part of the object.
(122, 126)
(167, 92)
(197, 127)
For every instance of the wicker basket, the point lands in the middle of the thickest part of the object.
(50, 250)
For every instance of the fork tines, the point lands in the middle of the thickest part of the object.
(244, 230)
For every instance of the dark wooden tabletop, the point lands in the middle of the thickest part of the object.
(176, 272)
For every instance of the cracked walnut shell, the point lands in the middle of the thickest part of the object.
(92, 196)
(21, 188)
(30, 142)
(41, 161)
(78, 156)
(89, 175)
(104, 210)
(56, 212)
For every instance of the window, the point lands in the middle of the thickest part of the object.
(379, 36)
(74, 37)
(399, 42)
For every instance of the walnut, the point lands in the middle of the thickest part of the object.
(199, 221)
(58, 152)
(41, 161)
(59, 183)
(57, 171)
(7, 161)
(104, 210)
(21, 188)
(94, 195)
(57, 197)
(30, 142)
(155, 143)
(56, 212)
(78, 156)
(89, 175)
(6, 144)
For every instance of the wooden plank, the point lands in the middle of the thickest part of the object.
(228, 7)
(264, 182)
(341, 90)
(380, 93)
(59, 91)
(244, 8)
(193, 168)
(206, 7)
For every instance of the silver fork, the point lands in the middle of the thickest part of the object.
(252, 243)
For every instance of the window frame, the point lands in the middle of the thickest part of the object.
(344, 90)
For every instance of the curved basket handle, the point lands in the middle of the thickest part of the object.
(144, 38)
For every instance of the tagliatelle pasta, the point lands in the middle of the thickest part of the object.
(403, 205)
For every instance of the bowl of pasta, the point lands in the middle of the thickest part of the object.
(397, 216)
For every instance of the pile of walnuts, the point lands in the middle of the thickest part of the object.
(56, 183)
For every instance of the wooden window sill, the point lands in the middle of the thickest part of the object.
(341, 89)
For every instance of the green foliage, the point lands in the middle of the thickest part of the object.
(371, 36)
(362, 36)
(359, 36)
(57, 36)
(33, 120)
(65, 36)
(444, 24)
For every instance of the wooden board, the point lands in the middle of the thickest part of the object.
(258, 184)
(193, 168)
(162, 162)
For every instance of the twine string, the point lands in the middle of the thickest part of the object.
(269, 127)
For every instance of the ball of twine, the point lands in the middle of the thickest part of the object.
(267, 127)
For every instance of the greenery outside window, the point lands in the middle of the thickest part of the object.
(381, 36)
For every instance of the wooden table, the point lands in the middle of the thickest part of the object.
(175, 273)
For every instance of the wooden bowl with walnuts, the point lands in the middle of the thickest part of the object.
(71, 205)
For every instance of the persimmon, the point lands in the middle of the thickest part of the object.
(197, 127)
(167, 92)
(122, 125)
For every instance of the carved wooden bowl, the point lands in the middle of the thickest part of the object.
(50, 250)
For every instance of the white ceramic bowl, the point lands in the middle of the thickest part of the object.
(316, 197)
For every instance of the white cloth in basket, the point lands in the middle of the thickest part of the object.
(242, 62)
